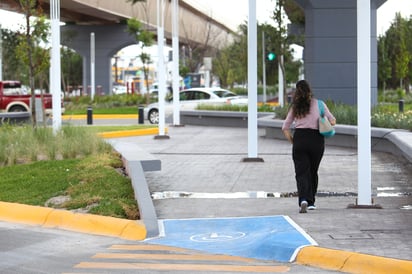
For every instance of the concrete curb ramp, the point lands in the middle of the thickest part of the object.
(351, 262)
(79, 222)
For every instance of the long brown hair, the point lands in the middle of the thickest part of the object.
(301, 99)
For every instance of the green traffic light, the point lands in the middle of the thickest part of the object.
(271, 56)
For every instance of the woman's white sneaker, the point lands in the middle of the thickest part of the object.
(303, 207)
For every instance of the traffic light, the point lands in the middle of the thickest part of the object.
(271, 56)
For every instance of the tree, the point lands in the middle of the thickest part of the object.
(397, 51)
(13, 68)
(230, 64)
(384, 63)
(71, 68)
(408, 38)
(281, 41)
(194, 51)
(272, 44)
(296, 16)
(28, 48)
(145, 39)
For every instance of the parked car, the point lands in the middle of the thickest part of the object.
(189, 99)
(14, 97)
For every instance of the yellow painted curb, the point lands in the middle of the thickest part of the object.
(351, 262)
(100, 116)
(127, 133)
(19, 213)
(79, 222)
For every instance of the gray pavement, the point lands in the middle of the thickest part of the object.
(200, 160)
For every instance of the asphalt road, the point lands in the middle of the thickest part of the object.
(33, 250)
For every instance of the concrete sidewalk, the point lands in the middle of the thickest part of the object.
(207, 162)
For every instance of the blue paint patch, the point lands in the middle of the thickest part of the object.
(265, 238)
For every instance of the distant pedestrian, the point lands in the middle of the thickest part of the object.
(308, 143)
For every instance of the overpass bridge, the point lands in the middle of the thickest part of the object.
(107, 20)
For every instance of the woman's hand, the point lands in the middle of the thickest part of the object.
(288, 135)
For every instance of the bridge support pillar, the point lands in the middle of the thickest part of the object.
(330, 54)
(109, 40)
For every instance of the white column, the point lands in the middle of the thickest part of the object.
(280, 82)
(161, 66)
(55, 68)
(92, 65)
(364, 101)
(264, 66)
(252, 81)
(175, 64)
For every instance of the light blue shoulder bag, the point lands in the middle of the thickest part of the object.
(325, 128)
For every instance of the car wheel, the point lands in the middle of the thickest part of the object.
(17, 109)
(154, 116)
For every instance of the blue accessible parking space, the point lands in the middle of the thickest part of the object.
(264, 238)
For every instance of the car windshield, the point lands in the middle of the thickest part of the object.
(224, 93)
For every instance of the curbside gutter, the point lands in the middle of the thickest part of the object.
(79, 222)
(351, 262)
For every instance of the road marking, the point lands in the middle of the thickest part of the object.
(160, 257)
(186, 267)
(272, 238)
(182, 257)
(147, 247)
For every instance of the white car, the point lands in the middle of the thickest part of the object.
(191, 98)
(118, 89)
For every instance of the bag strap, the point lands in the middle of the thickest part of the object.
(321, 108)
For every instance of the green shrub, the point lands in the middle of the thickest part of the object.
(25, 144)
(81, 103)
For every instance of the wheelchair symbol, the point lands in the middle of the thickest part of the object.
(217, 237)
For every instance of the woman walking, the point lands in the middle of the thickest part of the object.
(308, 143)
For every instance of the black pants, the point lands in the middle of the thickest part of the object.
(308, 148)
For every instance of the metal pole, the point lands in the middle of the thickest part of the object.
(161, 66)
(55, 68)
(252, 83)
(175, 64)
(280, 82)
(264, 66)
(364, 101)
(92, 65)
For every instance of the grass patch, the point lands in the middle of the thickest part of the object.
(89, 182)
(37, 165)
